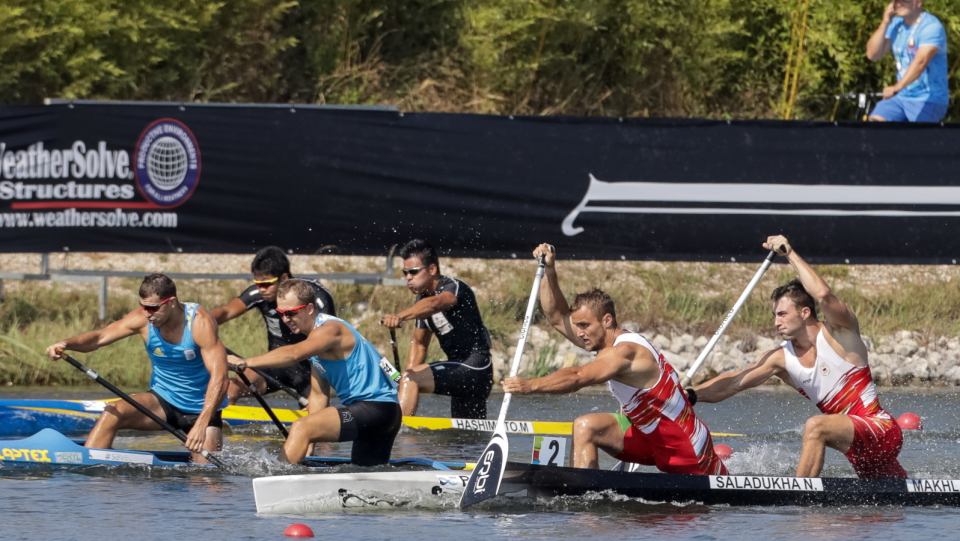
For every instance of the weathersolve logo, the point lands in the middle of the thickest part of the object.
(167, 160)
(165, 170)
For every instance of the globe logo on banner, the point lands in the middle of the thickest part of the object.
(167, 160)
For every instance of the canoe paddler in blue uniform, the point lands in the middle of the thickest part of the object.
(368, 414)
(188, 385)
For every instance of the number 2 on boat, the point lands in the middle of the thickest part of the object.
(549, 451)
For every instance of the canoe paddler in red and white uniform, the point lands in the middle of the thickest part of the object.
(826, 361)
(659, 427)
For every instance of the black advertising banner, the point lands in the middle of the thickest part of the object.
(233, 179)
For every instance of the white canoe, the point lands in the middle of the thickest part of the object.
(311, 493)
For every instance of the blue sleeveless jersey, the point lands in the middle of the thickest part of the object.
(358, 377)
(179, 375)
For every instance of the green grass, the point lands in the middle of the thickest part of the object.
(661, 297)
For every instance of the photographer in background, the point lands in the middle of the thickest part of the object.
(919, 46)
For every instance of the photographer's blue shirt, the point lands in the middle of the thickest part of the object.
(931, 86)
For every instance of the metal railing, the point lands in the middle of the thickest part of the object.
(100, 277)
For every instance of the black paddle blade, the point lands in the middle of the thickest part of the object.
(485, 479)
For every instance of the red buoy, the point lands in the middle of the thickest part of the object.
(910, 421)
(298, 530)
(723, 451)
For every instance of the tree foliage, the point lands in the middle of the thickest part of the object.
(705, 58)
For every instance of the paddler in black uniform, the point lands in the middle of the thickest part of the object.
(447, 308)
(270, 268)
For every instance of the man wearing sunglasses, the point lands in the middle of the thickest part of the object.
(189, 379)
(270, 268)
(445, 307)
(368, 414)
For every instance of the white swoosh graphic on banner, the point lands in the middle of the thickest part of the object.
(672, 192)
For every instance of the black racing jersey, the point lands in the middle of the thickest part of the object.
(459, 329)
(278, 334)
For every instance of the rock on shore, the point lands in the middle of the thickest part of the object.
(904, 358)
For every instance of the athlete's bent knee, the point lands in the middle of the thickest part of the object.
(584, 430)
(814, 429)
(298, 430)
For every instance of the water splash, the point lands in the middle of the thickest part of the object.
(763, 459)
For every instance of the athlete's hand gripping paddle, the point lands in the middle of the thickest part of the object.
(140, 407)
(484, 482)
(263, 402)
(688, 377)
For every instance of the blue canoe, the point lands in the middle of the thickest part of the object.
(49, 447)
(28, 416)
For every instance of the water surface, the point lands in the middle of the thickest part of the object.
(135, 502)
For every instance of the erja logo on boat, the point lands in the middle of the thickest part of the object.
(164, 168)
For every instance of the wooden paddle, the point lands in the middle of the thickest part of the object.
(484, 482)
(140, 407)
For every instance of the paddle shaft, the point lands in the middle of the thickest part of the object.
(688, 377)
(396, 352)
(263, 403)
(484, 481)
(302, 400)
(524, 330)
(140, 407)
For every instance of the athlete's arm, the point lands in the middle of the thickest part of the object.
(878, 45)
(925, 54)
(129, 325)
(319, 392)
(214, 357)
(605, 367)
(418, 347)
(836, 314)
(232, 310)
(552, 301)
(319, 398)
(422, 309)
(318, 342)
(726, 385)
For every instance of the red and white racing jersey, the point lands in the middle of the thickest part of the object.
(663, 410)
(837, 386)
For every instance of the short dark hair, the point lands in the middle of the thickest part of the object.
(597, 301)
(270, 261)
(158, 284)
(303, 291)
(794, 291)
(422, 250)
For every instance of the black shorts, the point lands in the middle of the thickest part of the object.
(467, 383)
(183, 420)
(372, 427)
(296, 376)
